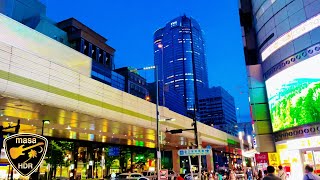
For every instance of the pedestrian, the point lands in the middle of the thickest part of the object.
(265, 173)
(260, 175)
(225, 176)
(211, 177)
(309, 175)
(271, 176)
(249, 174)
(282, 174)
(232, 175)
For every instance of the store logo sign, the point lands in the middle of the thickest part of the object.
(25, 152)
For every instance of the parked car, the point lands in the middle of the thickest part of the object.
(150, 174)
(132, 176)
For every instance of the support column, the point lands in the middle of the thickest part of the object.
(209, 159)
(176, 161)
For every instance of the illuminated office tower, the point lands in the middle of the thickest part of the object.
(179, 52)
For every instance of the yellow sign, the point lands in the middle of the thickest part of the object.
(274, 159)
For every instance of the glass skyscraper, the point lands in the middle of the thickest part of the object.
(179, 53)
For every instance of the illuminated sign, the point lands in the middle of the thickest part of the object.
(296, 32)
(175, 23)
(273, 159)
(262, 157)
(194, 152)
(25, 152)
(303, 143)
(293, 95)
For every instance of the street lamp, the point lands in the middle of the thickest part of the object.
(157, 114)
(167, 119)
(241, 134)
(160, 46)
(249, 141)
(46, 121)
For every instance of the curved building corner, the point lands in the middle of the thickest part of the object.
(285, 47)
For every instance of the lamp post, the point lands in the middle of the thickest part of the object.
(160, 46)
(241, 134)
(249, 141)
(45, 121)
(157, 117)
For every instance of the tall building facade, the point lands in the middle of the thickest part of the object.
(179, 53)
(92, 44)
(216, 108)
(134, 83)
(282, 51)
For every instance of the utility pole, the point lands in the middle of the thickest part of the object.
(196, 138)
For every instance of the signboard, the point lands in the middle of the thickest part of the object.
(262, 158)
(25, 152)
(164, 174)
(274, 159)
(114, 151)
(194, 152)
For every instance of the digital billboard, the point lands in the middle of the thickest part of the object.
(294, 95)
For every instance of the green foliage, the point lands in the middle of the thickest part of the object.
(109, 160)
(141, 158)
(57, 151)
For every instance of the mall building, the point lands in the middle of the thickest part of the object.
(94, 129)
(281, 41)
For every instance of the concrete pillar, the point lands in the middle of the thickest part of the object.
(176, 161)
(209, 159)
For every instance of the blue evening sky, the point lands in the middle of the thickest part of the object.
(129, 26)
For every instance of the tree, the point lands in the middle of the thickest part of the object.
(57, 151)
(142, 157)
(109, 160)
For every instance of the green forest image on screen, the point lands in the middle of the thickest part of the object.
(294, 95)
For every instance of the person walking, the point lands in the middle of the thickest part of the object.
(211, 177)
(282, 174)
(249, 174)
(260, 175)
(232, 175)
(309, 175)
(271, 176)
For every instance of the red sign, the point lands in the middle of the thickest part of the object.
(164, 174)
(262, 158)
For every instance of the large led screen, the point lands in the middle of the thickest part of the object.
(294, 95)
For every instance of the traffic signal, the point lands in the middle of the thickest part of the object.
(175, 131)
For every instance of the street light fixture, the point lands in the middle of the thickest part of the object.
(157, 116)
(241, 134)
(45, 121)
(167, 119)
